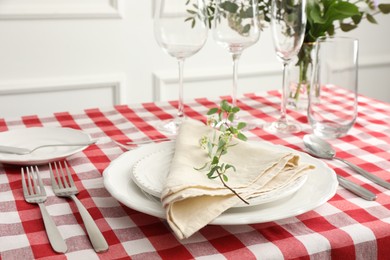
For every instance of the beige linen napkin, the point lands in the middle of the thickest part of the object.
(191, 200)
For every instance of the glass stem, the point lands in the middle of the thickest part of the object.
(283, 113)
(180, 108)
(236, 57)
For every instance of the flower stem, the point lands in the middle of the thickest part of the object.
(232, 190)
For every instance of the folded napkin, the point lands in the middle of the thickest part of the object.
(192, 200)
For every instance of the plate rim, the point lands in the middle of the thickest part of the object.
(152, 208)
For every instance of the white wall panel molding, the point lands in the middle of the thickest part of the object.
(374, 61)
(58, 9)
(61, 94)
(210, 83)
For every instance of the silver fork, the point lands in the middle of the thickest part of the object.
(34, 192)
(63, 186)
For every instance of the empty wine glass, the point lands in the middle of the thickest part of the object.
(236, 28)
(288, 24)
(181, 31)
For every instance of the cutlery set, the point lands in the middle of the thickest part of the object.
(322, 149)
(63, 186)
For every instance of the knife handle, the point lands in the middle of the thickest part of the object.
(356, 189)
(366, 174)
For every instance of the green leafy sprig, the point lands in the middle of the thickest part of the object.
(234, 10)
(221, 119)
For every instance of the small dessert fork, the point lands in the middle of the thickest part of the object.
(34, 192)
(63, 186)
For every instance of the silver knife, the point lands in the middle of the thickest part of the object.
(356, 189)
(21, 151)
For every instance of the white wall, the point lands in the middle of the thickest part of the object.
(71, 54)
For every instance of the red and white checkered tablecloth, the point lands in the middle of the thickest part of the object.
(346, 227)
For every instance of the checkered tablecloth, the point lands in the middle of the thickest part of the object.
(346, 227)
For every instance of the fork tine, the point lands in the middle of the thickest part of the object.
(24, 186)
(70, 178)
(58, 173)
(35, 187)
(65, 182)
(52, 177)
(29, 184)
(41, 187)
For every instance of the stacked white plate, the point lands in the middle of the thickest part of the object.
(136, 179)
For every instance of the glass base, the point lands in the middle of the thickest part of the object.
(282, 127)
(330, 130)
(170, 126)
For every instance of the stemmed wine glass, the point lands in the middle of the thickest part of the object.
(288, 24)
(181, 31)
(235, 28)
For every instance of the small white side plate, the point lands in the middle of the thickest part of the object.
(35, 136)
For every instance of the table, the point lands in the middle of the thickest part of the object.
(346, 227)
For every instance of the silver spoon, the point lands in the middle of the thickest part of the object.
(349, 185)
(322, 149)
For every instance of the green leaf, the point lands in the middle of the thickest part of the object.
(246, 29)
(316, 16)
(231, 117)
(228, 166)
(235, 109)
(357, 18)
(225, 178)
(201, 168)
(384, 8)
(212, 111)
(221, 143)
(241, 125)
(229, 6)
(371, 18)
(212, 171)
(341, 10)
(330, 30)
(215, 160)
(242, 137)
(248, 13)
(225, 106)
(346, 27)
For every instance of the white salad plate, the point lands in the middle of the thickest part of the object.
(151, 171)
(35, 136)
(320, 186)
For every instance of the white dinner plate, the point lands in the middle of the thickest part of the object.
(32, 137)
(151, 171)
(320, 186)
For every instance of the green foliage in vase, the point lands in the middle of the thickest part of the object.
(233, 10)
(221, 119)
(324, 17)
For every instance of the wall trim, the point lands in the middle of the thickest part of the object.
(115, 83)
(59, 9)
(169, 77)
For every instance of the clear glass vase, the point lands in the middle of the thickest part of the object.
(300, 75)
